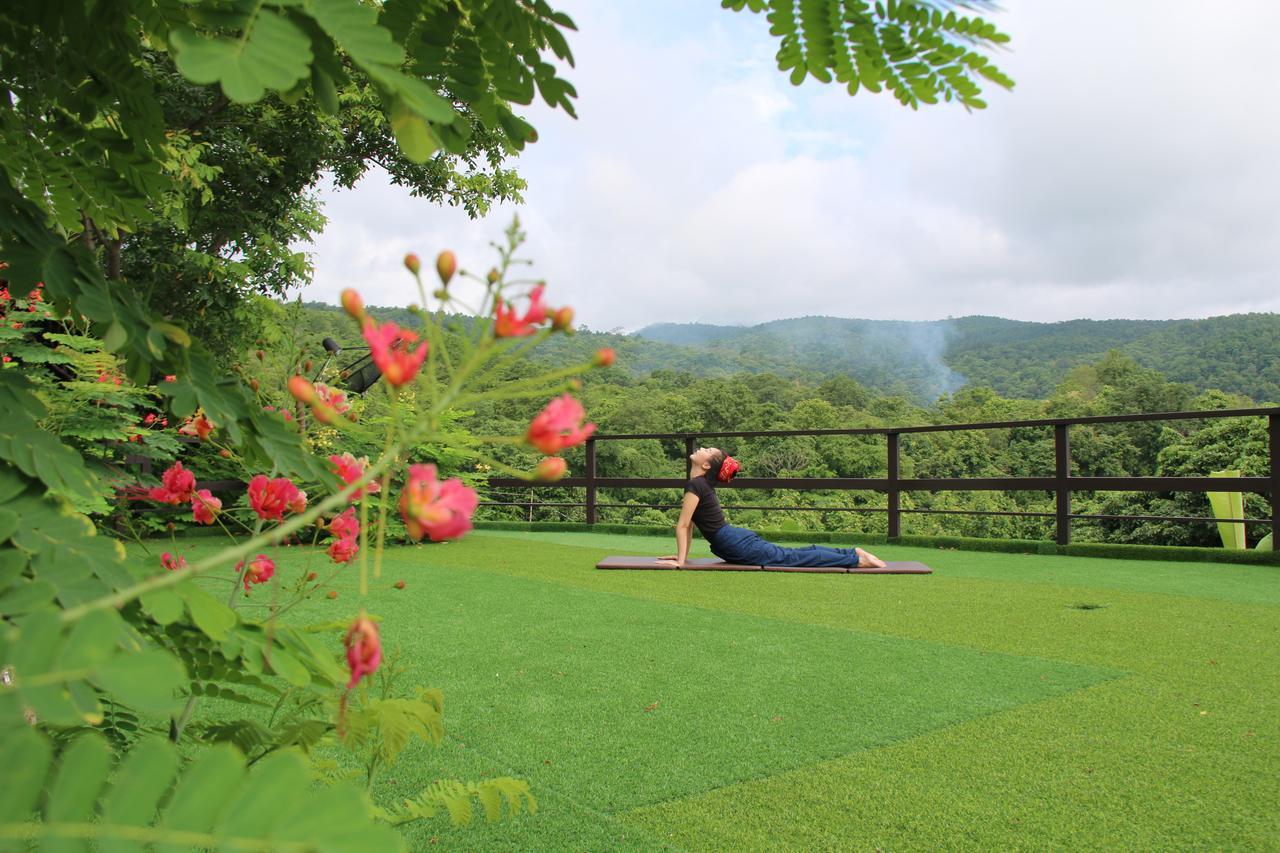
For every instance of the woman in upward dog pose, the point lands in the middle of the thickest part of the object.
(737, 544)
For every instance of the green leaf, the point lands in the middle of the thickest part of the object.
(163, 605)
(287, 667)
(275, 807)
(82, 770)
(142, 778)
(354, 27)
(8, 524)
(203, 791)
(116, 338)
(273, 54)
(211, 616)
(413, 135)
(146, 680)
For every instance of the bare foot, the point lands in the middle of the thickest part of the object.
(867, 560)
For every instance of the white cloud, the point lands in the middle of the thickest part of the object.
(1131, 174)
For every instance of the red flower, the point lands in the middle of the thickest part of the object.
(559, 425)
(604, 357)
(343, 550)
(364, 649)
(260, 570)
(440, 510)
(389, 345)
(170, 377)
(345, 526)
(351, 469)
(332, 397)
(150, 418)
(171, 562)
(507, 325)
(205, 507)
(177, 486)
(197, 425)
(271, 498)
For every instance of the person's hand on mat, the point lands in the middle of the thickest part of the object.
(669, 563)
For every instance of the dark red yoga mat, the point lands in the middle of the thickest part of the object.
(711, 564)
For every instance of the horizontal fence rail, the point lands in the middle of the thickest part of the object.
(1061, 483)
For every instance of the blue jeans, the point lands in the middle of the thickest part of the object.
(747, 548)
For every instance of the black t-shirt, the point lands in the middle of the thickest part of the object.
(708, 516)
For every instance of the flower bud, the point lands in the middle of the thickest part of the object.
(412, 263)
(494, 275)
(225, 453)
(333, 593)
(562, 320)
(550, 469)
(255, 385)
(352, 304)
(312, 576)
(306, 366)
(260, 354)
(301, 389)
(446, 266)
(399, 584)
(604, 357)
(440, 293)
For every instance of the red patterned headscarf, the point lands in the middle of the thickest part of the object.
(728, 468)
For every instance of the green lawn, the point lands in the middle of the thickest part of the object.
(1005, 701)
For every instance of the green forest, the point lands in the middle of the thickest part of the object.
(686, 378)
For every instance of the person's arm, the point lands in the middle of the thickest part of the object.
(684, 532)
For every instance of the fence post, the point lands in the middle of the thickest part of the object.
(1062, 486)
(591, 481)
(1273, 430)
(690, 445)
(895, 506)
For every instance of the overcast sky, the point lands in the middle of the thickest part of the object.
(1131, 173)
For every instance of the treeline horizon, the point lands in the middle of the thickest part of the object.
(683, 394)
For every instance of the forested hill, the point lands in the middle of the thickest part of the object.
(1238, 353)
(922, 360)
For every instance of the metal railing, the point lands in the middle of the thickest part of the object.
(1061, 483)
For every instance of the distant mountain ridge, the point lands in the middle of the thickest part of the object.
(1238, 353)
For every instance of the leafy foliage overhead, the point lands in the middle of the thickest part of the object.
(918, 50)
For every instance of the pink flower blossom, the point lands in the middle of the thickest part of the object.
(197, 425)
(177, 486)
(205, 507)
(364, 649)
(440, 510)
(333, 398)
(507, 325)
(171, 562)
(270, 498)
(390, 346)
(345, 526)
(259, 570)
(351, 469)
(559, 425)
(343, 550)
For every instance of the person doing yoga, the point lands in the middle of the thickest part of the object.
(701, 508)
